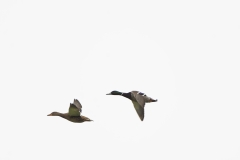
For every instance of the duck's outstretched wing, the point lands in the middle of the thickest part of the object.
(139, 97)
(139, 103)
(73, 110)
(77, 104)
(139, 109)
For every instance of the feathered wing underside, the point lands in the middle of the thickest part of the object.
(139, 109)
(73, 110)
(138, 96)
(139, 103)
(77, 104)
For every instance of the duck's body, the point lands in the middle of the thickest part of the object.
(73, 114)
(138, 99)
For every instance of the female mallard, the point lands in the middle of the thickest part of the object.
(138, 99)
(73, 114)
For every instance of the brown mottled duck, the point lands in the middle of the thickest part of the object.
(73, 114)
(138, 99)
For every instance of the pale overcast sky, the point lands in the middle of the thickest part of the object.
(183, 53)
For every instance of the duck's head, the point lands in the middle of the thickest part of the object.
(53, 114)
(114, 93)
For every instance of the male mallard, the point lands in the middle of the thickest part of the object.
(138, 99)
(73, 114)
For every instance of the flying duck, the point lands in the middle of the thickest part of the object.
(73, 114)
(138, 99)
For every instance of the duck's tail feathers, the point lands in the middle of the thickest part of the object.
(153, 100)
(89, 120)
(85, 118)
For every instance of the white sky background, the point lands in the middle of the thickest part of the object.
(185, 54)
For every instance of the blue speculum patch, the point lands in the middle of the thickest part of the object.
(142, 94)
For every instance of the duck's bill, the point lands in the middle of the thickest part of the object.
(49, 114)
(109, 94)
